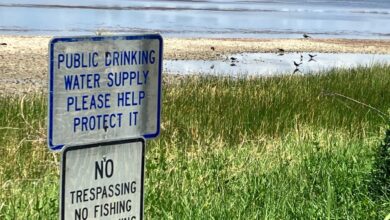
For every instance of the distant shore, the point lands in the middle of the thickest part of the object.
(24, 59)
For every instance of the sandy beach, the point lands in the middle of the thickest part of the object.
(24, 59)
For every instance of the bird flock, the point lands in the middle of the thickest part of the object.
(297, 65)
(280, 51)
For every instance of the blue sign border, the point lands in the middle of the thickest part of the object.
(100, 38)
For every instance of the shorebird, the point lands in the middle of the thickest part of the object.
(306, 36)
(233, 64)
(233, 58)
(281, 50)
(3, 44)
(296, 70)
(297, 64)
(301, 58)
(212, 48)
(312, 58)
(212, 66)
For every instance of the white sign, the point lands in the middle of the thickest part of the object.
(104, 88)
(103, 181)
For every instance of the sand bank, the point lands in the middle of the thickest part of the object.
(24, 59)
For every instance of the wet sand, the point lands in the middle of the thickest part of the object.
(24, 59)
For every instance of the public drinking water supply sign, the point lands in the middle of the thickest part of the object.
(103, 181)
(104, 88)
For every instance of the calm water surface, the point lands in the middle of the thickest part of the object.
(271, 64)
(224, 18)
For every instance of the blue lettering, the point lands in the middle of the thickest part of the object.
(152, 57)
(141, 96)
(130, 98)
(107, 97)
(61, 59)
(82, 76)
(123, 58)
(110, 82)
(68, 81)
(121, 99)
(84, 102)
(125, 76)
(94, 62)
(70, 102)
(92, 104)
(84, 121)
(115, 58)
(133, 57)
(76, 122)
(126, 57)
(107, 59)
(133, 75)
(96, 82)
(77, 60)
(145, 57)
(146, 73)
(119, 119)
(99, 117)
(82, 81)
(76, 84)
(112, 123)
(88, 102)
(90, 123)
(69, 62)
(133, 118)
(83, 64)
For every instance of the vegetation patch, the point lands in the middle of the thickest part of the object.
(231, 148)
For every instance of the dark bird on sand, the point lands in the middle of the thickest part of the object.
(3, 44)
(233, 58)
(297, 64)
(233, 64)
(281, 50)
(212, 48)
(281, 54)
(306, 36)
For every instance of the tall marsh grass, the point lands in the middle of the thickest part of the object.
(230, 148)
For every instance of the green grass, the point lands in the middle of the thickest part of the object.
(265, 148)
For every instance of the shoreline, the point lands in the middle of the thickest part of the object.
(24, 59)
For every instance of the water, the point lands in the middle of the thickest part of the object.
(216, 18)
(270, 64)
